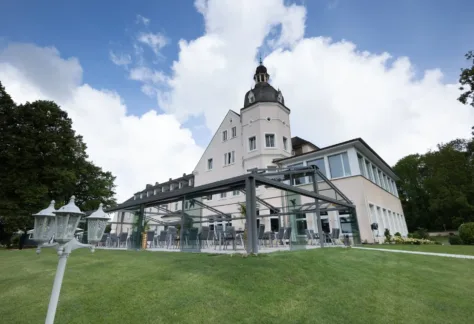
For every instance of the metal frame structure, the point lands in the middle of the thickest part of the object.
(246, 183)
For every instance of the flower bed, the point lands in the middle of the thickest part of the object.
(408, 240)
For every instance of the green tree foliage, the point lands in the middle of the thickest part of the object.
(466, 79)
(437, 188)
(42, 159)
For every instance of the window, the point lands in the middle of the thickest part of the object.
(175, 206)
(223, 194)
(180, 185)
(269, 140)
(346, 224)
(385, 183)
(234, 131)
(229, 158)
(339, 165)
(209, 164)
(361, 165)
(285, 143)
(235, 192)
(252, 143)
(224, 136)
(376, 175)
(141, 196)
(274, 225)
(190, 182)
(381, 184)
(320, 164)
(369, 170)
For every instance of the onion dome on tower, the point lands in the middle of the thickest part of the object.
(262, 91)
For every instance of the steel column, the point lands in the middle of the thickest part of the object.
(318, 212)
(138, 235)
(251, 219)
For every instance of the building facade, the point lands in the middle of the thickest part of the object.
(260, 137)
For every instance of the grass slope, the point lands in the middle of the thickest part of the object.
(316, 286)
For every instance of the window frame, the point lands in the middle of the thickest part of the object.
(225, 135)
(210, 162)
(285, 143)
(254, 137)
(340, 154)
(274, 140)
(234, 130)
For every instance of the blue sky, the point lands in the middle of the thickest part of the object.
(431, 33)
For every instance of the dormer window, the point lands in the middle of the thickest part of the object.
(190, 182)
(251, 97)
(141, 196)
(134, 197)
(180, 185)
(163, 189)
(280, 97)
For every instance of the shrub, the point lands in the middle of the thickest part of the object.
(397, 234)
(455, 240)
(422, 233)
(387, 235)
(466, 233)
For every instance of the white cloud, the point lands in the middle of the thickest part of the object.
(143, 20)
(135, 149)
(155, 41)
(335, 91)
(120, 59)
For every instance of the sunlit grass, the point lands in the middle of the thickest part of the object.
(317, 286)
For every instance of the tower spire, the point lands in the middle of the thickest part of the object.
(260, 58)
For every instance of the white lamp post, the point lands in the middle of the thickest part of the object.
(62, 224)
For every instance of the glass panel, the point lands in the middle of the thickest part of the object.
(297, 179)
(295, 230)
(361, 165)
(335, 166)
(345, 161)
(369, 170)
(191, 232)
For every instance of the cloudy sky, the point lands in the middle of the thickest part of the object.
(148, 83)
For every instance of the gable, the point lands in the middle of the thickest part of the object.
(230, 114)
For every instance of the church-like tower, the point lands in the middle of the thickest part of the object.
(265, 119)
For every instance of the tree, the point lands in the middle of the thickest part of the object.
(466, 79)
(437, 188)
(42, 158)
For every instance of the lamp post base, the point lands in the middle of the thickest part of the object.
(63, 251)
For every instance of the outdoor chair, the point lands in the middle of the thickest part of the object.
(229, 235)
(210, 237)
(287, 236)
(123, 239)
(171, 238)
(315, 236)
(279, 236)
(113, 240)
(192, 237)
(150, 238)
(103, 240)
(218, 237)
(161, 239)
(203, 235)
(335, 236)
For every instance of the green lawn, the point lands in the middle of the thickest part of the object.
(450, 249)
(316, 286)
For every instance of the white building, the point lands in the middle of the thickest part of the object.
(260, 137)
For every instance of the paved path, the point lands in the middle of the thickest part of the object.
(459, 256)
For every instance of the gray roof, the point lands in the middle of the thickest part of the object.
(263, 92)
